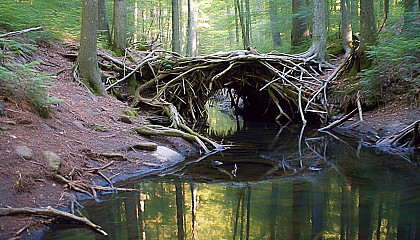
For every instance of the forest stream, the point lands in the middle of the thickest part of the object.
(275, 182)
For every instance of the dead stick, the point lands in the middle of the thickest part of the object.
(113, 60)
(20, 32)
(338, 122)
(300, 106)
(98, 168)
(49, 211)
(359, 106)
(145, 60)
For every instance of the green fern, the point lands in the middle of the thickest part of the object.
(396, 63)
(22, 81)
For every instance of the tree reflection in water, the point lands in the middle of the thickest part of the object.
(354, 193)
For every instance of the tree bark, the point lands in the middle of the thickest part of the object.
(176, 47)
(181, 28)
(87, 58)
(245, 37)
(103, 23)
(319, 35)
(248, 23)
(236, 21)
(346, 31)
(274, 23)
(300, 30)
(231, 34)
(192, 36)
(368, 31)
(354, 15)
(120, 26)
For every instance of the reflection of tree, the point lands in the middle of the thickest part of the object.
(300, 210)
(274, 205)
(131, 216)
(365, 214)
(194, 196)
(318, 202)
(180, 210)
(244, 207)
(409, 220)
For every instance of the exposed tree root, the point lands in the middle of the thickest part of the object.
(51, 212)
(284, 85)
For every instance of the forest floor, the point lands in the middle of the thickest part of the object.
(82, 131)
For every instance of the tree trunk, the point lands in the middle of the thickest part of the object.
(368, 32)
(248, 23)
(103, 23)
(120, 26)
(181, 28)
(245, 37)
(236, 21)
(319, 35)
(274, 23)
(300, 31)
(354, 15)
(176, 47)
(136, 22)
(231, 34)
(192, 37)
(346, 32)
(87, 58)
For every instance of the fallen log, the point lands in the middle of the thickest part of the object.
(52, 212)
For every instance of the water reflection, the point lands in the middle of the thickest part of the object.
(320, 206)
(288, 184)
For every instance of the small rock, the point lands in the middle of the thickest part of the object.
(46, 127)
(78, 97)
(24, 152)
(79, 125)
(165, 154)
(90, 111)
(52, 159)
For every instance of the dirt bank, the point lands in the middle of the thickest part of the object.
(86, 133)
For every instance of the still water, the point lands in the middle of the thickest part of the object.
(273, 183)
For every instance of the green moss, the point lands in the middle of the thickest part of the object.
(99, 128)
(130, 112)
(132, 82)
(335, 49)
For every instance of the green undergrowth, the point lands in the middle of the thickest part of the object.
(396, 65)
(62, 18)
(22, 82)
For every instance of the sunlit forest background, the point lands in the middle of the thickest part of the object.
(395, 59)
(216, 21)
